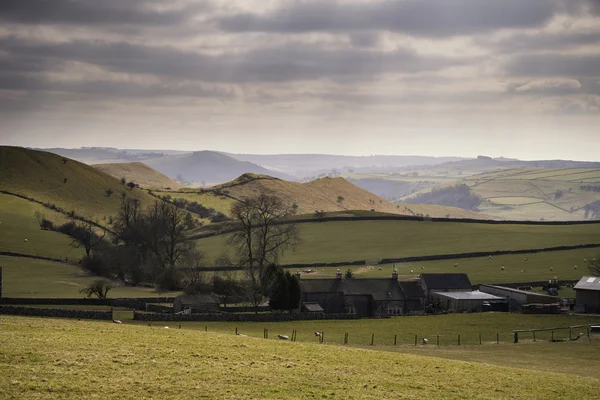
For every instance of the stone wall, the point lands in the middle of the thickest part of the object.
(144, 316)
(135, 303)
(55, 312)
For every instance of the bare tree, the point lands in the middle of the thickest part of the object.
(260, 238)
(99, 288)
(594, 265)
(84, 235)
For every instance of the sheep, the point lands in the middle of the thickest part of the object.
(424, 341)
(318, 334)
(456, 265)
(422, 267)
(411, 271)
(575, 267)
(380, 269)
(526, 259)
(522, 270)
(241, 334)
(25, 240)
(490, 257)
(166, 327)
(551, 269)
(116, 321)
(283, 337)
(502, 268)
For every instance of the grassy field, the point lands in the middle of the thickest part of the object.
(51, 358)
(19, 223)
(25, 277)
(372, 240)
(484, 270)
(139, 173)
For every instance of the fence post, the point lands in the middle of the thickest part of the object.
(480, 338)
(395, 339)
(372, 339)
(236, 331)
(415, 340)
(322, 337)
(570, 334)
(205, 328)
(588, 332)
(438, 340)
(534, 336)
(179, 326)
(516, 337)
(459, 340)
(112, 313)
(497, 338)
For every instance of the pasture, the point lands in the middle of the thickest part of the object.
(339, 241)
(25, 277)
(52, 358)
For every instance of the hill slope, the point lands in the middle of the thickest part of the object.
(209, 167)
(139, 173)
(69, 184)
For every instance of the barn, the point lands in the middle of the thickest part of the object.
(473, 301)
(587, 294)
(196, 303)
(517, 297)
(448, 282)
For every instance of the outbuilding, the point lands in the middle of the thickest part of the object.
(587, 294)
(196, 303)
(473, 301)
(518, 297)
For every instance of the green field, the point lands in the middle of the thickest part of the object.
(18, 223)
(484, 270)
(25, 277)
(51, 358)
(372, 240)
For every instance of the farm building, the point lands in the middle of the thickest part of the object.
(367, 297)
(473, 301)
(198, 303)
(587, 294)
(451, 282)
(517, 297)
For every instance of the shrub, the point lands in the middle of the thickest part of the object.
(99, 288)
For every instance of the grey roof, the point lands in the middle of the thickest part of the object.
(412, 289)
(513, 290)
(588, 283)
(446, 281)
(379, 288)
(313, 307)
(474, 295)
(191, 299)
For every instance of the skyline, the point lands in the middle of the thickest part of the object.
(432, 77)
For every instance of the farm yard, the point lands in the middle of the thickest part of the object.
(49, 358)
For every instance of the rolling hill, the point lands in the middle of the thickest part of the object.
(139, 173)
(206, 167)
(67, 184)
(321, 194)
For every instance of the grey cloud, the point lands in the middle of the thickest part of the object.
(566, 65)
(429, 18)
(539, 42)
(95, 12)
(286, 63)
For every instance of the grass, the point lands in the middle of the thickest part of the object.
(52, 358)
(139, 173)
(24, 277)
(484, 270)
(340, 241)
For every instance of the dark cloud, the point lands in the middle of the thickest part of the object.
(96, 12)
(555, 65)
(290, 62)
(429, 18)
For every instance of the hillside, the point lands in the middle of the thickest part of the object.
(206, 167)
(321, 194)
(39, 356)
(65, 183)
(139, 173)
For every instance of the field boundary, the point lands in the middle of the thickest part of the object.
(13, 254)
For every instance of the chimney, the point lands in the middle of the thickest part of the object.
(395, 273)
(338, 274)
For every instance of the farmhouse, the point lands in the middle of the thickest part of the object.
(368, 297)
(587, 293)
(198, 303)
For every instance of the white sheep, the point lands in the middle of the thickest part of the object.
(456, 265)
(422, 267)
(318, 334)
(526, 260)
(380, 269)
(283, 337)
(241, 334)
(502, 268)
(575, 267)
(411, 271)
(116, 321)
(424, 341)
(166, 327)
(551, 269)
(522, 270)
(490, 257)
(25, 240)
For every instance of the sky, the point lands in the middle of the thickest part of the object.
(513, 78)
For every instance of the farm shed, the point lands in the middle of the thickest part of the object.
(198, 303)
(451, 282)
(518, 298)
(469, 301)
(312, 307)
(367, 297)
(587, 294)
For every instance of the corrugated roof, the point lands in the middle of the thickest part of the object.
(313, 307)
(588, 283)
(513, 290)
(446, 281)
(474, 295)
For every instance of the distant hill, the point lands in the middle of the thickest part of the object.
(66, 183)
(321, 194)
(139, 173)
(102, 155)
(209, 167)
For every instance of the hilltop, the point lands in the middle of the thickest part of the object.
(67, 184)
(206, 167)
(326, 194)
(139, 173)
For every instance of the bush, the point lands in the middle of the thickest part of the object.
(99, 288)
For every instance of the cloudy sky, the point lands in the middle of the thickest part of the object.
(518, 78)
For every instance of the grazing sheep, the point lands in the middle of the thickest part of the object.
(318, 334)
(283, 337)
(551, 269)
(25, 240)
(585, 260)
(380, 269)
(422, 267)
(502, 268)
(575, 267)
(166, 327)
(456, 265)
(526, 259)
(522, 270)
(424, 341)
(490, 257)
(116, 321)
(241, 334)
(411, 271)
